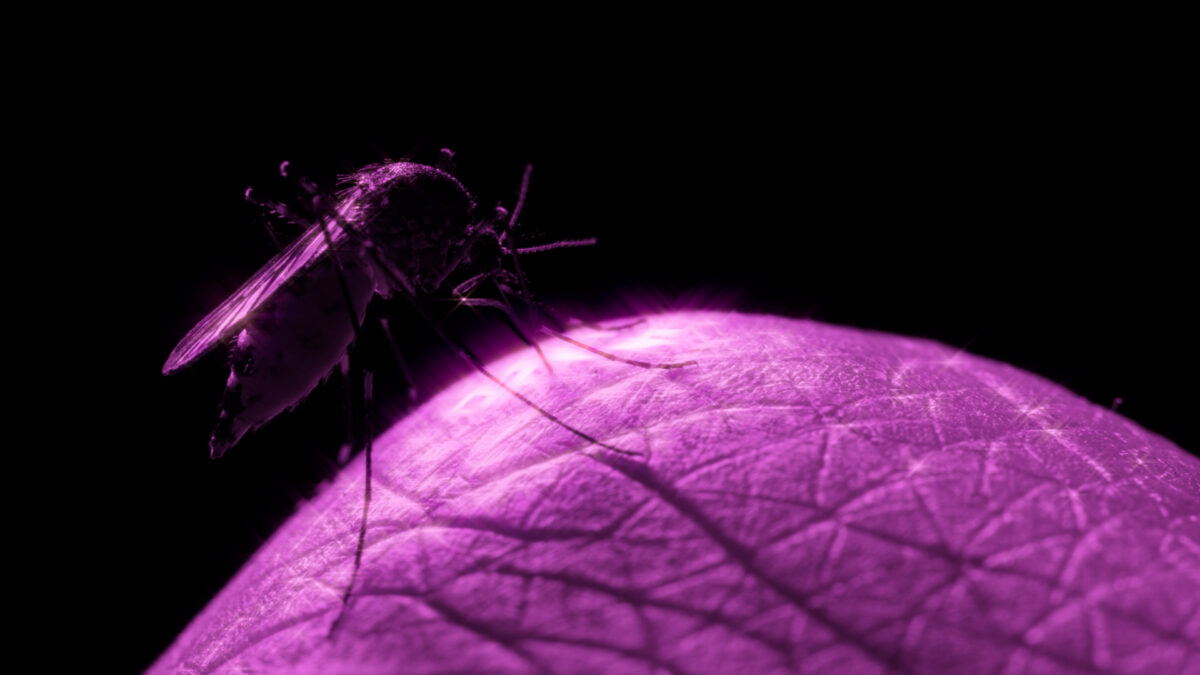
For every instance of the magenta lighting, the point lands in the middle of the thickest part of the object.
(806, 498)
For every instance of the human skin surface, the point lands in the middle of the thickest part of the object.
(808, 498)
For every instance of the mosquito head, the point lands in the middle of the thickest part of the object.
(415, 218)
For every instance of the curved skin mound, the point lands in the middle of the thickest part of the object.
(809, 498)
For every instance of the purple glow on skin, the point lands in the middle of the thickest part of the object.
(812, 499)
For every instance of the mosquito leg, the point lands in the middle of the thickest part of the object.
(521, 195)
(409, 382)
(359, 349)
(527, 296)
(542, 307)
(510, 319)
(550, 313)
(596, 326)
(347, 451)
(367, 381)
(510, 315)
(614, 357)
(469, 356)
(514, 253)
(470, 284)
(566, 243)
(538, 308)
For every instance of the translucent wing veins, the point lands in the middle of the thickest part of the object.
(226, 319)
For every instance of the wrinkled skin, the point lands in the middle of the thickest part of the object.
(809, 499)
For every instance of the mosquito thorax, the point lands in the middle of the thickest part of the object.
(412, 217)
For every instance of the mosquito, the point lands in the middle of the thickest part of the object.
(394, 229)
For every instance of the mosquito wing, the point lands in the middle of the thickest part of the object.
(227, 319)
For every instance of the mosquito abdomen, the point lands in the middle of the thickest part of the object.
(288, 346)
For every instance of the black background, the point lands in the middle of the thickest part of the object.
(1027, 214)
